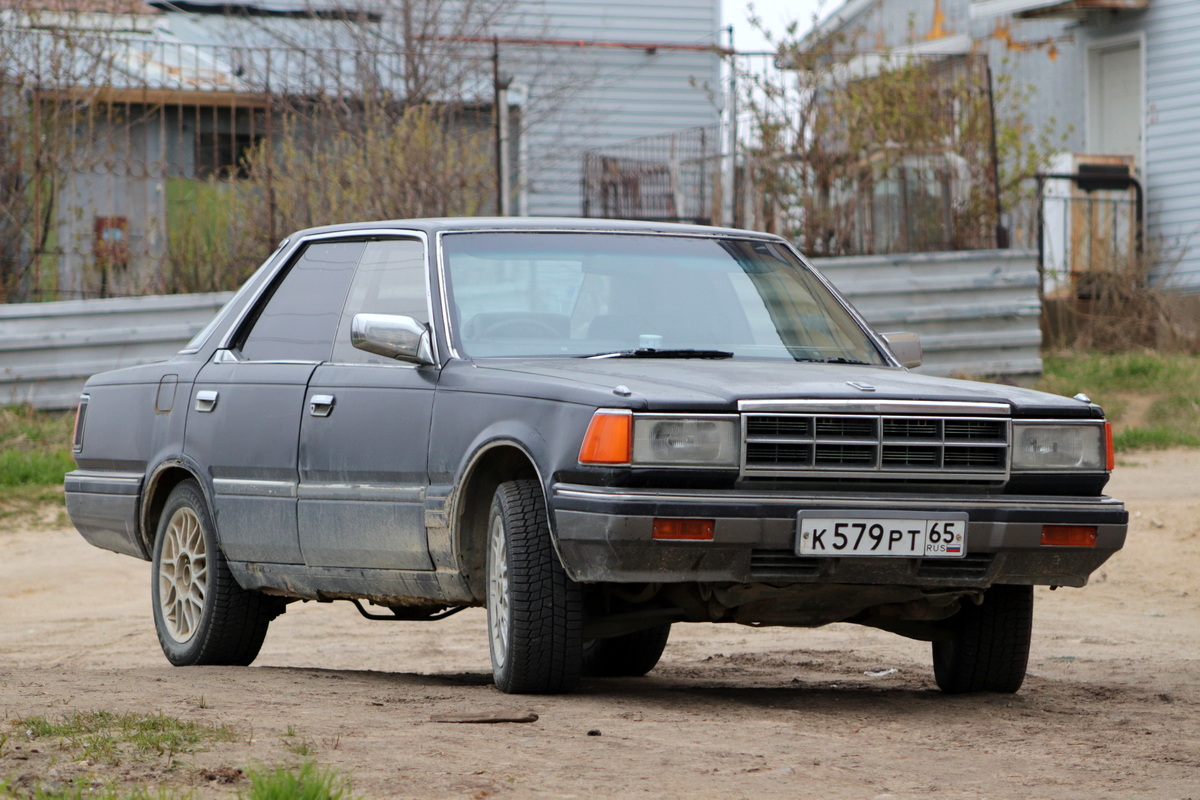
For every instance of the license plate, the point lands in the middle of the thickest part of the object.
(824, 533)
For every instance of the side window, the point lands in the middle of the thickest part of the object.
(301, 316)
(390, 280)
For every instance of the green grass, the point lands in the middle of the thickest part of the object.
(308, 782)
(35, 447)
(1153, 400)
(1125, 372)
(83, 790)
(108, 737)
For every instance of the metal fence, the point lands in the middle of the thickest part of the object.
(863, 153)
(977, 314)
(132, 164)
(670, 178)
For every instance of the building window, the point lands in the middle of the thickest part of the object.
(223, 155)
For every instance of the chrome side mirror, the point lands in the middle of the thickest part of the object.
(392, 336)
(906, 347)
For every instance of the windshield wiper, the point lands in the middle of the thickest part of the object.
(834, 360)
(650, 352)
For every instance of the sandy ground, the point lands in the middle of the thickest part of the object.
(1111, 707)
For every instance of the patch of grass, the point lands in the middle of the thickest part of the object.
(1152, 399)
(35, 447)
(83, 789)
(105, 736)
(308, 782)
(303, 747)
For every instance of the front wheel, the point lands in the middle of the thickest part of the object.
(534, 610)
(201, 615)
(988, 649)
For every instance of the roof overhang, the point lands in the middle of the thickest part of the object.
(1042, 9)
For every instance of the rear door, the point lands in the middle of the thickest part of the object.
(245, 409)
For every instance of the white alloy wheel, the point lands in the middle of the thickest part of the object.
(201, 614)
(498, 601)
(183, 575)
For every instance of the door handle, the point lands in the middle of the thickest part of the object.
(206, 400)
(321, 405)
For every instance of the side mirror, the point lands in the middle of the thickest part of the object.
(906, 347)
(392, 336)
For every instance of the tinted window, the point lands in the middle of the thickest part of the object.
(390, 280)
(301, 316)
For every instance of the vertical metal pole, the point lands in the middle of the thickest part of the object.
(268, 133)
(497, 96)
(505, 160)
(731, 178)
(1001, 234)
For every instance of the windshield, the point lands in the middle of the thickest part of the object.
(634, 295)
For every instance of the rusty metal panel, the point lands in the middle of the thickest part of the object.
(977, 312)
(48, 350)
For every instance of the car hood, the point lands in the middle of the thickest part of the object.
(701, 384)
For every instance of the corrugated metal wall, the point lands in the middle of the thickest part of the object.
(47, 350)
(977, 314)
(588, 97)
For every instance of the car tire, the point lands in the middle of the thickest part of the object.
(201, 614)
(629, 656)
(534, 610)
(988, 650)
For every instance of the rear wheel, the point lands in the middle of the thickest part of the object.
(631, 655)
(535, 612)
(201, 615)
(988, 650)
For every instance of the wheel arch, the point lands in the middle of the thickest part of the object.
(165, 477)
(497, 462)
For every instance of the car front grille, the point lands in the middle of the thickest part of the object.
(878, 446)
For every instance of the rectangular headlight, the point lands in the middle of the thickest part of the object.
(685, 441)
(1046, 446)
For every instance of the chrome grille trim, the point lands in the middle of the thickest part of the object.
(883, 446)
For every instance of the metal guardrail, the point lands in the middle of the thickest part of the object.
(48, 350)
(977, 314)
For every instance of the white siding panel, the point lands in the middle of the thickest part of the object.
(580, 98)
(1172, 31)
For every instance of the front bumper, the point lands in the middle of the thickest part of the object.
(604, 535)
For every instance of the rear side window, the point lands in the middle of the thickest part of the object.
(300, 318)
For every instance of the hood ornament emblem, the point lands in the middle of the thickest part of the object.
(862, 387)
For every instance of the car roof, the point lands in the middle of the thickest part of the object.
(586, 225)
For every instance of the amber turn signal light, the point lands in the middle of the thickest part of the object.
(609, 439)
(695, 530)
(1069, 535)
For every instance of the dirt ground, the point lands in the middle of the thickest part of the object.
(1111, 707)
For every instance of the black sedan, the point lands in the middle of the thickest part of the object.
(595, 429)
